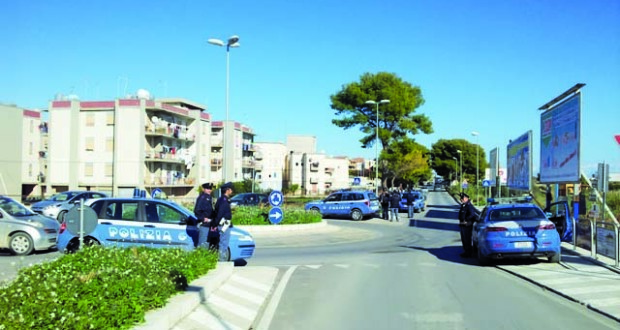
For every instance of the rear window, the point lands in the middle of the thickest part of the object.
(516, 214)
(372, 196)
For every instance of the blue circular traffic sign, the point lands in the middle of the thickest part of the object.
(486, 183)
(276, 215)
(276, 198)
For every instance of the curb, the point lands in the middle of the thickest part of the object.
(181, 305)
(283, 228)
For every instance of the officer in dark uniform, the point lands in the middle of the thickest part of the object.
(223, 219)
(467, 216)
(203, 210)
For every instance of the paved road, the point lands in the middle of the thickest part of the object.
(411, 276)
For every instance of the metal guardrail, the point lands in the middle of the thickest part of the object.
(593, 241)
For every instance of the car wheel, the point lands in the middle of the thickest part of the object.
(482, 260)
(21, 244)
(226, 255)
(74, 244)
(555, 258)
(356, 215)
(316, 209)
(61, 216)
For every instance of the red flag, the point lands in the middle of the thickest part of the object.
(618, 138)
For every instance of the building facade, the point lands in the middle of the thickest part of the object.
(270, 158)
(116, 146)
(232, 152)
(22, 161)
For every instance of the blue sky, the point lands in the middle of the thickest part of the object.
(483, 66)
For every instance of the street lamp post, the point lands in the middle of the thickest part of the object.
(456, 169)
(461, 168)
(377, 142)
(232, 42)
(476, 134)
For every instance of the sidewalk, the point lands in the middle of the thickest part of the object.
(594, 283)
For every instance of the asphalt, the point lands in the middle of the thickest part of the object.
(232, 297)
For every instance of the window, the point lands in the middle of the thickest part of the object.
(90, 119)
(334, 198)
(109, 144)
(121, 210)
(109, 169)
(88, 169)
(109, 120)
(157, 212)
(96, 206)
(29, 169)
(30, 148)
(90, 144)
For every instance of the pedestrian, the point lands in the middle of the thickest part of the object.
(384, 199)
(203, 210)
(467, 216)
(394, 204)
(410, 203)
(223, 219)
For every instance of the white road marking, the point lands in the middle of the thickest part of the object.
(218, 303)
(313, 266)
(342, 265)
(233, 290)
(270, 311)
(207, 320)
(250, 283)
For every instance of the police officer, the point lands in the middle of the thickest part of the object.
(384, 199)
(203, 210)
(223, 219)
(467, 216)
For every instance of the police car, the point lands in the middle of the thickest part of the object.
(126, 222)
(419, 203)
(345, 203)
(519, 228)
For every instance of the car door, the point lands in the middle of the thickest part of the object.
(559, 214)
(119, 223)
(331, 204)
(166, 226)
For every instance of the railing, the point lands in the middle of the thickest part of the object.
(592, 239)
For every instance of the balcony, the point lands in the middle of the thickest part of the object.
(169, 182)
(258, 155)
(217, 143)
(163, 157)
(217, 162)
(258, 167)
(314, 180)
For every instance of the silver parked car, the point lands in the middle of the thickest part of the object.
(58, 205)
(23, 231)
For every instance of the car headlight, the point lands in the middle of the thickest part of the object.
(52, 206)
(246, 238)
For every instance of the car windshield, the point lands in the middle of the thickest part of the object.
(61, 197)
(14, 208)
(516, 214)
(237, 198)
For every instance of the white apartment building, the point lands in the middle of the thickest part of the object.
(270, 158)
(314, 173)
(232, 152)
(22, 162)
(116, 146)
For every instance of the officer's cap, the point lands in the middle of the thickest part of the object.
(227, 185)
(463, 195)
(207, 185)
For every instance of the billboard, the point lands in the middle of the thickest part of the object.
(519, 162)
(560, 142)
(494, 164)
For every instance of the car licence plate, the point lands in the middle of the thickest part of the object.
(523, 244)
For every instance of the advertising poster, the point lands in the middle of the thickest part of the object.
(560, 142)
(519, 162)
(493, 164)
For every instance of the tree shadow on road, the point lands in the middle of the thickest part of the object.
(450, 207)
(447, 253)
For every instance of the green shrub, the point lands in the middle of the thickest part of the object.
(259, 215)
(98, 288)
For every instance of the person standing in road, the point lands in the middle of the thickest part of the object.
(384, 199)
(467, 216)
(394, 204)
(223, 219)
(410, 201)
(203, 210)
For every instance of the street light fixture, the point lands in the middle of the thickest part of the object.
(476, 134)
(232, 42)
(456, 169)
(370, 102)
(461, 168)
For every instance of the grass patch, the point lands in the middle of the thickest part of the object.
(259, 215)
(99, 288)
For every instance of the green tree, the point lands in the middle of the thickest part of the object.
(444, 151)
(396, 119)
(406, 162)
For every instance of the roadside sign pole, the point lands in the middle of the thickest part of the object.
(81, 223)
